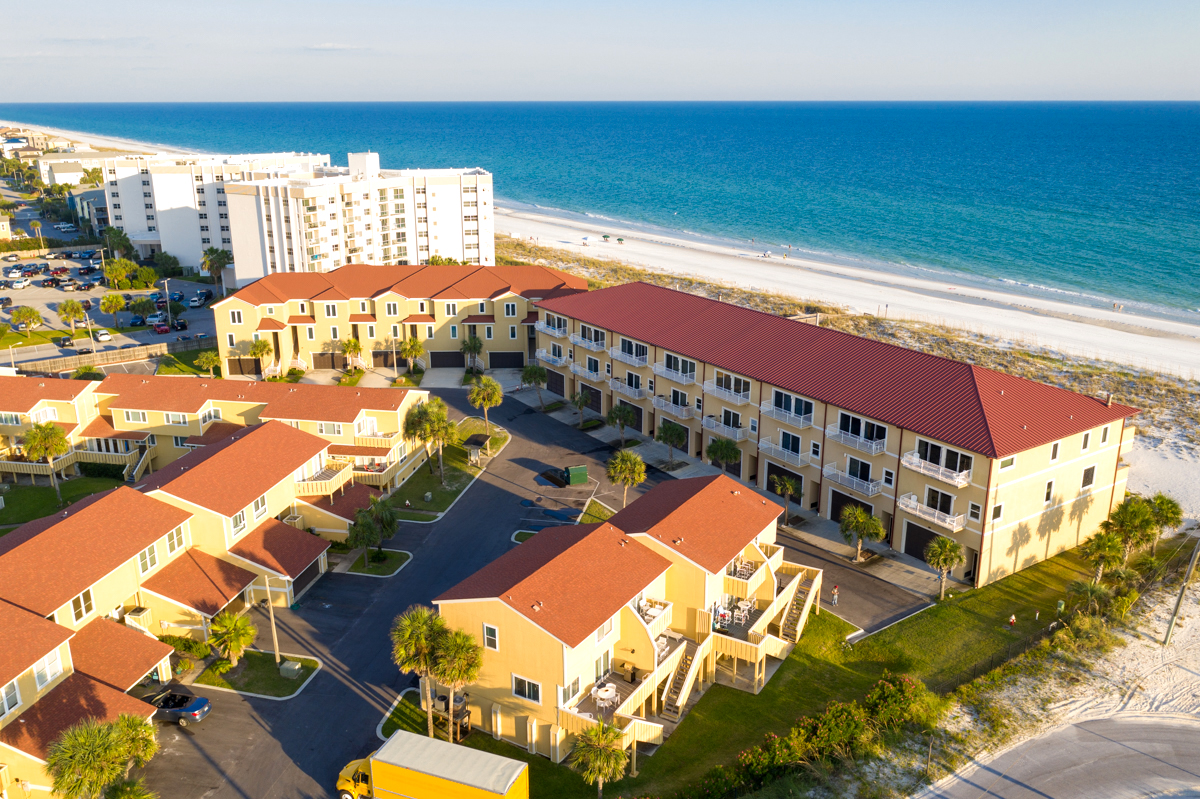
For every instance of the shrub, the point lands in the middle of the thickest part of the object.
(221, 666)
(841, 731)
(187, 647)
(894, 700)
(110, 470)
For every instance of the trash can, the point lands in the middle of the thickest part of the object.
(575, 475)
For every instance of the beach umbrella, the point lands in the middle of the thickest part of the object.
(620, 241)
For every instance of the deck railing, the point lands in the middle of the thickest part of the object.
(869, 446)
(787, 417)
(773, 450)
(587, 344)
(912, 504)
(626, 389)
(912, 460)
(733, 397)
(554, 360)
(735, 433)
(617, 354)
(557, 332)
(678, 411)
(682, 378)
(868, 488)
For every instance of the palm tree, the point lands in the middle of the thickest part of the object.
(129, 789)
(37, 228)
(534, 375)
(1167, 513)
(214, 261)
(364, 533)
(599, 756)
(416, 637)
(143, 306)
(208, 359)
(675, 436)
(231, 634)
(472, 347)
(857, 524)
(118, 242)
(352, 349)
(943, 554)
(46, 440)
(417, 423)
(1133, 523)
(1103, 551)
(113, 304)
(410, 350)
(70, 312)
(86, 759)
(442, 433)
(385, 518)
(1090, 595)
(484, 394)
(139, 739)
(28, 316)
(581, 399)
(93, 177)
(620, 416)
(456, 666)
(723, 451)
(786, 487)
(626, 469)
(260, 349)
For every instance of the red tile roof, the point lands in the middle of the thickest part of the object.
(530, 319)
(356, 318)
(479, 319)
(980, 410)
(708, 520)
(228, 475)
(217, 431)
(102, 427)
(114, 654)
(199, 581)
(567, 580)
(28, 637)
(270, 323)
(21, 394)
(343, 505)
(47, 562)
(301, 320)
(75, 699)
(280, 547)
(419, 318)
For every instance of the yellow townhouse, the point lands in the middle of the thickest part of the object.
(620, 622)
(1014, 470)
(306, 317)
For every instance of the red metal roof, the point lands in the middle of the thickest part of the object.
(964, 405)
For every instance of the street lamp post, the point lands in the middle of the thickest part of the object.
(167, 294)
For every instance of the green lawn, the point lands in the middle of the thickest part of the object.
(384, 568)
(524, 536)
(351, 378)
(184, 363)
(595, 512)
(260, 676)
(409, 380)
(458, 475)
(24, 503)
(469, 427)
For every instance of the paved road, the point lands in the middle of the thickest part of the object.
(1110, 758)
(261, 749)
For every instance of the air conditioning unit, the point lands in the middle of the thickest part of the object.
(295, 520)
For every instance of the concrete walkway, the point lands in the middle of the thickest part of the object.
(443, 378)
(379, 377)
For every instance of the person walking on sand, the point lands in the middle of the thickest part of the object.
(834, 596)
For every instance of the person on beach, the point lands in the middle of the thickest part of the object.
(833, 596)
(1012, 622)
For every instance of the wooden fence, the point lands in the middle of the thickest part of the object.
(54, 366)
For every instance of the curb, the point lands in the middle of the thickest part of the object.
(513, 538)
(467, 487)
(382, 576)
(391, 707)
(881, 629)
(299, 690)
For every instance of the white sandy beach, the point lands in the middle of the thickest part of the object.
(105, 142)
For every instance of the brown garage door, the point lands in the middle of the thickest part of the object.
(637, 415)
(916, 538)
(385, 359)
(306, 577)
(840, 500)
(243, 366)
(506, 360)
(446, 360)
(775, 470)
(556, 383)
(329, 360)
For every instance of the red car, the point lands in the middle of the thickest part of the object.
(58, 271)
(161, 328)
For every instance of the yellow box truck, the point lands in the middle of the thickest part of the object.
(412, 766)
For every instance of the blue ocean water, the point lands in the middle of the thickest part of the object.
(1093, 203)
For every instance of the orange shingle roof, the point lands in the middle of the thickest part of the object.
(217, 431)
(280, 547)
(114, 654)
(199, 581)
(27, 639)
(102, 427)
(343, 505)
(21, 394)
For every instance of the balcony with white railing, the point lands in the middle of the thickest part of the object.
(582, 371)
(377, 440)
(627, 390)
(678, 411)
(868, 488)
(682, 378)
(910, 503)
(557, 332)
(724, 430)
(834, 433)
(912, 460)
(730, 396)
(779, 414)
(554, 360)
(587, 344)
(617, 354)
(773, 450)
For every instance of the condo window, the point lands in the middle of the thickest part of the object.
(135, 416)
(310, 333)
(974, 511)
(604, 630)
(1049, 491)
(858, 468)
(815, 449)
(235, 317)
(451, 309)
(512, 331)
(483, 307)
(787, 441)
(333, 332)
(210, 415)
(556, 350)
(791, 404)
(487, 332)
(10, 699)
(753, 425)
(889, 477)
(633, 348)
(260, 507)
(570, 691)
(147, 559)
(1104, 435)
(370, 332)
(229, 338)
(176, 419)
(50, 414)
(527, 689)
(731, 383)
(453, 331)
(330, 310)
(1087, 442)
(47, 669)
(10, 418)
(593, 365)
(174, 540)
(510, 309)
(1008, 463)
(362, 306)
(428, 331)
(950, 459)
(329, 428)
(1089, 477)
(861, 428)
(1054, 452)
(239, 523)
(81, 605)
(998, 512)
(491, 637)
(391, 308)
(421, 307)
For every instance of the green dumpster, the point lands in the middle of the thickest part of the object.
(575, 475)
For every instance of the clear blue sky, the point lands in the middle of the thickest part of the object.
(640, 50)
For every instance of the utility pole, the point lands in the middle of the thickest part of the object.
(1179, 602)
(271, 613)
(167, 294)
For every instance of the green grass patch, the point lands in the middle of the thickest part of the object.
(592, 424)
(260, 676)
(555, 406)
(184, 363)
(390, 564)
(546, 780)
(409, 380)
(351, 378)
(524, 536)
(25, 503)
(473, 425)
(408, 716)
(595, 512)
(458, 475)
(414, 516)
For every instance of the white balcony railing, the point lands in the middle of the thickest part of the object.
(617, 354)
(779, 414)
(627, 390)
(678, 411)
(734, 397)
(912, 460)
(683, 378)
(913, 505)
(868, 488)
(557, 332)
(859, 443)
(735, 433)
(773, 450)
(583, 372)
(587, 344)
(553, 360)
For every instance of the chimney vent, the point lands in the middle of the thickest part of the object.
(1108, 402)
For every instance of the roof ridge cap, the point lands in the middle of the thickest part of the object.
(987, 422)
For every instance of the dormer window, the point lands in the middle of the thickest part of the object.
(239, 523)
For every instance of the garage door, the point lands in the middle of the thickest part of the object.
(305, 577)
(838, 500)
(506, 360)
(916, 538)
(595, 398)
(775, 470)
(329, 360)
(637, 415)
(447, 360)
(555, 383)
(243, 366)
(385, 359)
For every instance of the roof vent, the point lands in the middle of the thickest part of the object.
(1024, 427)
(535, 608)
(737, 493)
(1108, 402)
(1072, 416)
(1002, 392)
(41, 385)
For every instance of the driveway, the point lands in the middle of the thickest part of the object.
(1114, 758)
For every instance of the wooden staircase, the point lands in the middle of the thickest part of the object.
(671, 709)
(790, 630)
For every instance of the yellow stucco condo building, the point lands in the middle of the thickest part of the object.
(621, 622)
(307, 316)
(1015, 471)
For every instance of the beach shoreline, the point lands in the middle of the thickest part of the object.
(101, 141)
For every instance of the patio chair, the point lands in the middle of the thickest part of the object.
(739, 616)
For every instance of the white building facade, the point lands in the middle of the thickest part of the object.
(331, 216)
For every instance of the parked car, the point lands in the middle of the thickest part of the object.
(176, 296)
(65, 342)
(173, 707)
(29, 271)
(86, 286)
(156, 318)
(86, 270)
(181, 324)
(59, 271)
(156, 296)
(103, 335)
(208, 295)
(161, 327)
(12, 257)
(160, 304)
(44, 269)
(84, 351)
(69, 285)
(5, 302)
(50, 283)
(196, 302)
(137, 321)
(127, 297)
(20, 283)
